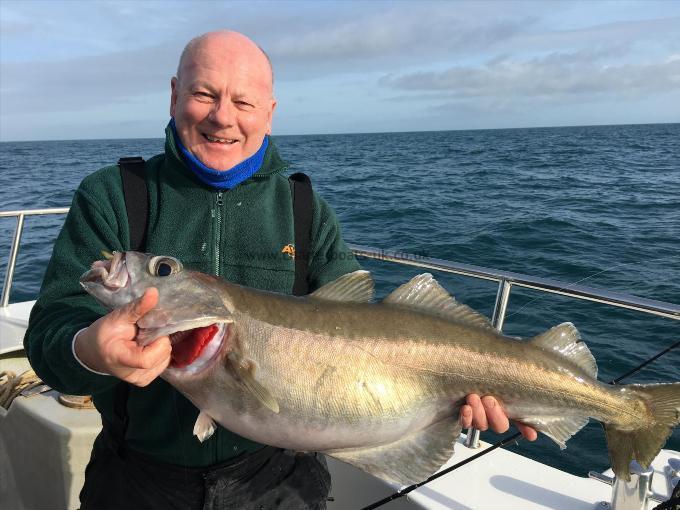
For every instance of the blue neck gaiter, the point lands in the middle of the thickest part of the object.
(226, 179)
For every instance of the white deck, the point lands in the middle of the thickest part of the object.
(13, 323)
(501, 479)
(45, 444)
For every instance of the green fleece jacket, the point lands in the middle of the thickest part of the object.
(239, 234)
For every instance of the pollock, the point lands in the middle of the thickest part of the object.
(377, 385)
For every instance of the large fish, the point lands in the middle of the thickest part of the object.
(377, 385)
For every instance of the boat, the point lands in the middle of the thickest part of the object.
(46, 438)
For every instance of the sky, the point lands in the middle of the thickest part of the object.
(102, 69)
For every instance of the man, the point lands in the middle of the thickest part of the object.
(217, 202)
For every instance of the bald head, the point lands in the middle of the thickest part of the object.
(222, 100)
(226, 41)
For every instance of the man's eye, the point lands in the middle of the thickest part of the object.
(203, 96)
(244, 103)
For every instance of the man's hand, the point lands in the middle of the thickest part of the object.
(109, 345)
(485, 413)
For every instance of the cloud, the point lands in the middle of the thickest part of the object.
(556, 75)
(13, 28)
(395, 33)
(387, 39)
(382, 38)
(71, 60)
(85, 82)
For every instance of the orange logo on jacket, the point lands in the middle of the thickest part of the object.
(290, 250)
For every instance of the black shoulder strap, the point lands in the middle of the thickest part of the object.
(137, 206)
(136, 199)
(303, 211)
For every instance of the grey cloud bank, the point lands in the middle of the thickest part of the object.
(83, 82)
(68, 67)
(557, 76)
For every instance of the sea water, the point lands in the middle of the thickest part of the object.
(597, 206)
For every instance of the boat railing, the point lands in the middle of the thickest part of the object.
(16, 240)
(507, 280)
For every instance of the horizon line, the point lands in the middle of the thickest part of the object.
(366, 132)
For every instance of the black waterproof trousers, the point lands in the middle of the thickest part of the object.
(120, 479)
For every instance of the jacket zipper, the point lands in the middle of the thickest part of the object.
(218, 231)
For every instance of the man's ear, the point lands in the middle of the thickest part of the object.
(271, 114)
(173, 95)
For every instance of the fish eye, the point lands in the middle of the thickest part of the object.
(164, 266)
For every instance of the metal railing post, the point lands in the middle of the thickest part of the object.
(14, 251)
(499, 310)
(501, 306)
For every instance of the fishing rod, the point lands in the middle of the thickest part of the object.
(513, 438)
(645, 363)
(446, 471)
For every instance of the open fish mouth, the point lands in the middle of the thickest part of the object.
(195, 349)
(195, 342)
(112, 274)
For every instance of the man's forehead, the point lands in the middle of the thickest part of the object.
(229, 51)
(214, 74)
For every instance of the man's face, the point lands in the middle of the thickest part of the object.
(222, 100)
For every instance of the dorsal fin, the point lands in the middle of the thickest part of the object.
(354, 287)
(566, 340)
(423, 292)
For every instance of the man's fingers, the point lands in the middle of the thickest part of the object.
(528, 432)
(498, 421)
(146, 377)
(142, 305)
(466, 416)
(479, 420)
(487, 413)
(158, 352)
(150, 356)
(143, 378)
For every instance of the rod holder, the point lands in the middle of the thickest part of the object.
(629, 495)
(472, 439)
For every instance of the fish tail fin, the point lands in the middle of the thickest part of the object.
(645, 442)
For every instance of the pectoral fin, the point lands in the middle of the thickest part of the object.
(245, 373)
(204, 427)
(410, 460)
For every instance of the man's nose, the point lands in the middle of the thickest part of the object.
(223, 113)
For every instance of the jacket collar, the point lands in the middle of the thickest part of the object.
(271, 165)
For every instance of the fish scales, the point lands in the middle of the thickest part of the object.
(378, 385)
(506, 372)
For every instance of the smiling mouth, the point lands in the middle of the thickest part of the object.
(223, 141)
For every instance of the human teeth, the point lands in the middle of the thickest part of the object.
(219, 140)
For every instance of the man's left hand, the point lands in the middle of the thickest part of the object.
(486, 413)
